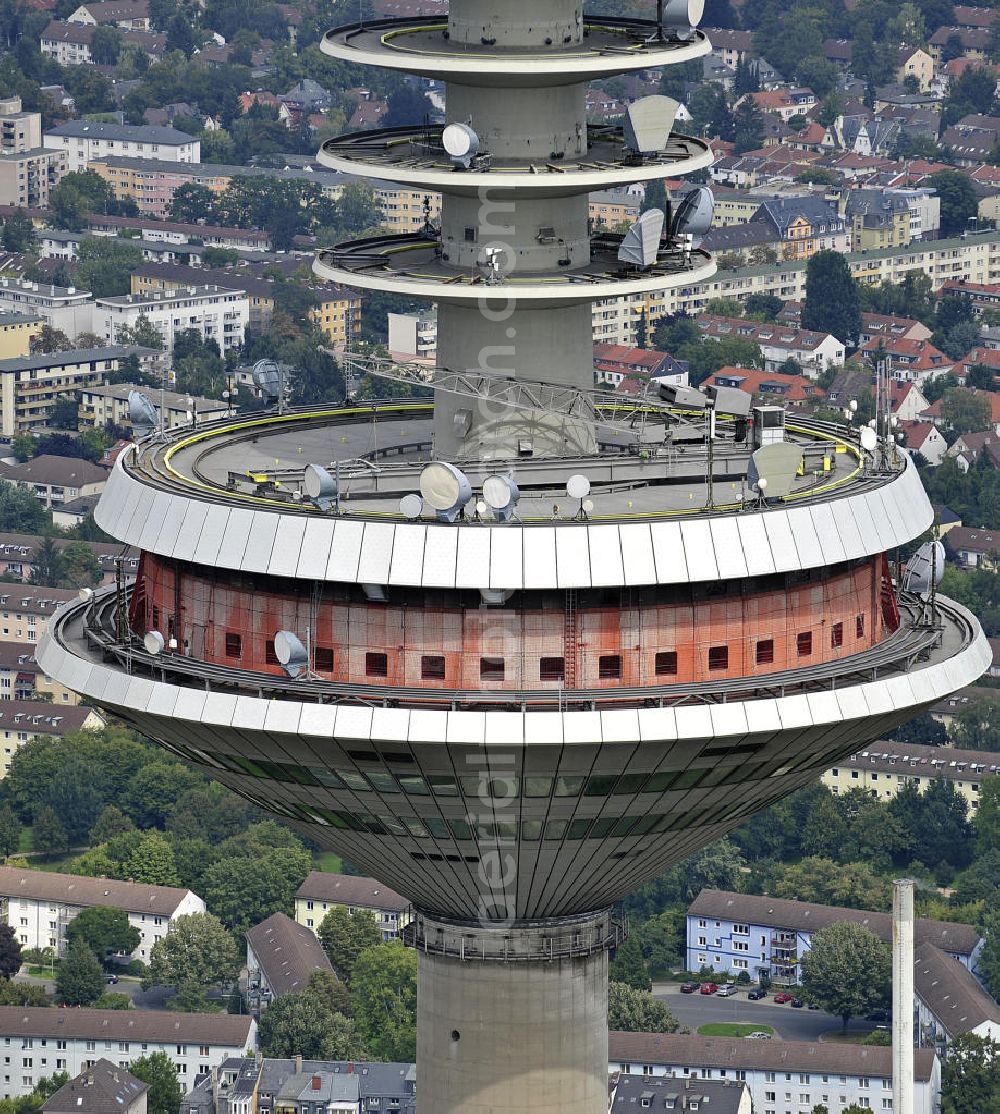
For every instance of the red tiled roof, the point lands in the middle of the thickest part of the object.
(797, 387)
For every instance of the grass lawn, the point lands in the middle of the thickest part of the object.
(329, 861)
(837, 1036)
(731, 1029)
(58, 863)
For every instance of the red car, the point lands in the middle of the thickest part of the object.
(708, 988)
(782, 997)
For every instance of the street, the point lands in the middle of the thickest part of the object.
(153, 999)
(693, 1010)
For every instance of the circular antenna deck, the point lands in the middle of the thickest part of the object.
(411, 506)
(445, 488)
(578, 486)
(153, 642)
(869, 439)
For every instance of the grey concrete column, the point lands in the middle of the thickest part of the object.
(513, 1019)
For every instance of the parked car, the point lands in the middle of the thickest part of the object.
(110, 979)
(797, 1003)
(709, 987)
(782, 997)
(689, 988)
(879, 1016)
(727, 991)
(758, 1036)
(757, 993)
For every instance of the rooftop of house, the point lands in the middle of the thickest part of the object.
(79, 890)
(769, 384)
(808, 916)
(102, 1088)
(287, 953)
(135, 133)
(720, 1096)
(887, 756)
(54, 471)
(36, 718)
(43, 360)
(349, 889)
(951, 992)
(973, 540)
(158, 1026)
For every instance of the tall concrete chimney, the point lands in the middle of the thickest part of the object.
(902, 995)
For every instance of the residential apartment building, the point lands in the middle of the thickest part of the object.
(108, 406)
(67, 308)
(337, 309)
(179, 233)
(216, 312)
(814, 352)
(17, 556)
(612, 208)
(39, 904)
(128, 15)
(27, 178)
(783, 1077)
(24, 720)
(877, 220)
(20, 131)
(323, 891)
(950, 1000)
(805, 225)
(413, 335)
(282, 957)
(884, 768)
(69, 44)
(30, 386)
(974, 548)
(21, 677)
(405, 209)
(767, 936)
(54, 480)
(16, 332)
(26, 611)
(37, 1041)
(297, 1086)
(84, 141)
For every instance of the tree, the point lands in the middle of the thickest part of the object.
(180, 36)
(105, 45)
(832, 303)
(21, 511)
(384, 992)
(76, 796)
(10, 831)
(345, 936)
(48, 339)
(634, 1011)
(764, 307)
(628, 966)
(197, 954)
(301, 1024)
(110, 823)
(144, 334)
(822, 880)
(192, 203)
(989, 958)
(959, 203)
(79, 567)
(154, 788)
(966, 412)
(748, 127)
(970, 1076)
(105, 265)
(246, 890)
(18, 232)
(48, 836)
(10, 952)
(105, 930)
(79, 978)
(847, 971)
(165, 1092)
(152, 861)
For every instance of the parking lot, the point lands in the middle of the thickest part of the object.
(803, 1024)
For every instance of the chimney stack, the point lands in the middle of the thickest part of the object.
(902, 995)
(317, 1083)
(298, 1063)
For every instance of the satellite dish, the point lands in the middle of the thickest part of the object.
(501, 495)
(153, 642)
(86, 594)
(588, 506)
(776, 464)
(642, 241)
(266, 375)
(320, 486)
(411, 506)
(290, 652)
(445, 488)
(141, 413)
(694, 215)
(461, 144)
(578, 486)
(648, 122)
(682, 17)
(924, 568)
(869, 438)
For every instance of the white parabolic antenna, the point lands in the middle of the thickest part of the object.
(445, 488)
(460, 142)
(290, 652)
(411, 506)
(925, 567)
(141, 413)
(648, 122)
(267, 377)
(153, 642)
(694, 214)
(500, 493)
(578, 486)
(320, 486)
(683, 13)
(642, 241)
(777, 464)
(869, 438)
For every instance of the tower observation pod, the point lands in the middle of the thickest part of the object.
(516, 650)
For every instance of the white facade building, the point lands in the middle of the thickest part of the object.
(37, 1041)
(218, 313)
(39, 905)
(784, 1077)
(83, 141)
(67, 308)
